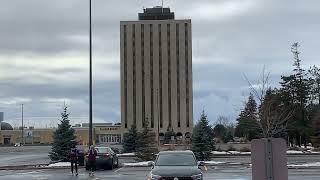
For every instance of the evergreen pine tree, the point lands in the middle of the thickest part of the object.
(130, 140)
(147, 147)
(63, 139)
(295, 93)
(248, 126)
(202, 139)
(314, 72)
(219, 131)
(315, 139)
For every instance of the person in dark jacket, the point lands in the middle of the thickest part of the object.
(92, 160)
(73, 156)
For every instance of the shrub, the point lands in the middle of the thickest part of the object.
(295, 148)
(231, 148)
(219, 149)
(245, 149)
(316, 149)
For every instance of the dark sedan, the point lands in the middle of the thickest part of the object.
(105, 159)
(176, 165)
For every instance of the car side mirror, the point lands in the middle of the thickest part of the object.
(152, 165)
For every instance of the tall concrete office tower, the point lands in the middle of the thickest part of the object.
(156, 73)
(1, 116)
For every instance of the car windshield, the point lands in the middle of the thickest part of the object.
(176, 160)
(102, 150)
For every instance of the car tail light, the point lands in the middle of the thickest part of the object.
(106, 155)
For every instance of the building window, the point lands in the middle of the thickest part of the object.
(125, 74)
(187, 73)
(169, 74)
(109, 138)
(143, 76)
(160, 75)
(151, 75)
(134, 74)
(178, 74)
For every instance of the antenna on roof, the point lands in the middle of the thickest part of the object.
(162, 5)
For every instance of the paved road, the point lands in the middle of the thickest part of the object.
(29, 155)
(239, 173)
(25, 155)
(39, 154)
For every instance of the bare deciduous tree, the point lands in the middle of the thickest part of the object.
(272, 116)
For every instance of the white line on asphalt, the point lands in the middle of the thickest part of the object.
(118, 170)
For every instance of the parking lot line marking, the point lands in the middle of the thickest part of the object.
(118, 170)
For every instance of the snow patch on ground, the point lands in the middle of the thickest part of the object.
(138, 164)
(249, 153)
(219, 152)
(213, 163)
(126, 154)
(229, 152)
(233, 152)
(246, 153)
(60, 164)
(294, 152)
(314, 164)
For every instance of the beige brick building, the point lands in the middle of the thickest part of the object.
(156, 72)
(103, 133)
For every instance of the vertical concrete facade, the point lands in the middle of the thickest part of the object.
(156, 75)
(1, 116)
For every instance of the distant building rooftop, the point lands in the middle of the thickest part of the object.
(5, 126)
(156, 13)
(96, 124)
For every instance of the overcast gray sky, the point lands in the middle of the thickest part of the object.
(44, 52)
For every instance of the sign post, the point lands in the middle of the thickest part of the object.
(269, 159)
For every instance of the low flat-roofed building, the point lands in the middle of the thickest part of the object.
(103, 133)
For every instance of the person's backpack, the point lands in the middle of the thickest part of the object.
(92, 155)
(73, 154)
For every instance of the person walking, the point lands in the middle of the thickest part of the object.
(92, 160)
(74, 159)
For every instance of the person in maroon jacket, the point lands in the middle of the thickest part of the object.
(73, 156)
(92, 160)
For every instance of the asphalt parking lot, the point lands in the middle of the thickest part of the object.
(140, 173)
(236, 169)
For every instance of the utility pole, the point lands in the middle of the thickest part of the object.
(22, 126)
(90, 76)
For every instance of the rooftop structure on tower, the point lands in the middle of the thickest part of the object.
(156, 13)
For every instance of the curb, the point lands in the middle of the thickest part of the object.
(244, 155)
(28, 167)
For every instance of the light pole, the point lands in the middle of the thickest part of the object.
(90, 76)
(22, 139)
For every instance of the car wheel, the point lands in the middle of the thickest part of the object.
(111, 165)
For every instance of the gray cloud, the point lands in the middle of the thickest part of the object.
(44, 52)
